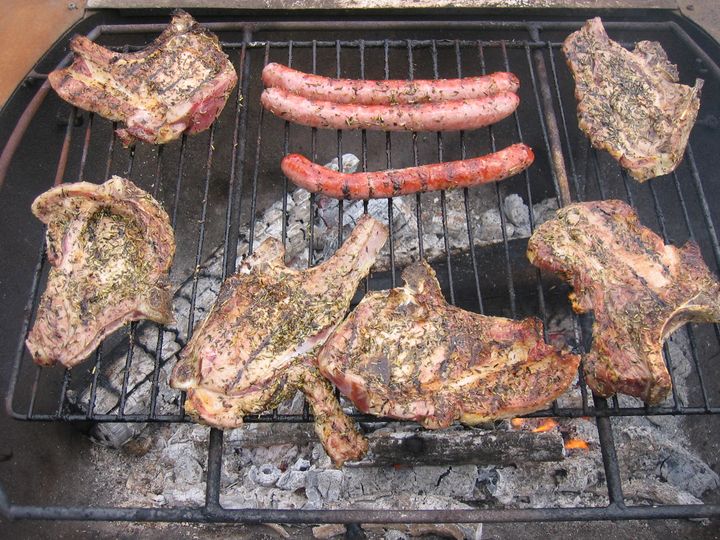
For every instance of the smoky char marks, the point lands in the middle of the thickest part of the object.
(179, 83)
(258, 344)
(406, 353)
(639, 289)
(394, 182)
(630, 103)
(110, 247)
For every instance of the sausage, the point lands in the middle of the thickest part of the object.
(376, 185)
(444, 116)
(386, 92)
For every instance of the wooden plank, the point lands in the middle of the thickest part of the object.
(462, 447)
(413, 447)
(27, 30)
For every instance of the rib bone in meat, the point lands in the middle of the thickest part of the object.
(630, 103)
(110, 247)
(406, 353)
(177, 84)
(259, 343)
(639, 289)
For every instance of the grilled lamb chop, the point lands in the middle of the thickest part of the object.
(629, 103)
(258, 344)
(639, 289)
(110, 247)
(177, 84)
(406, 353)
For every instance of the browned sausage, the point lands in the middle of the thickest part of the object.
(376, 185)
(444, 116)
(386, 92)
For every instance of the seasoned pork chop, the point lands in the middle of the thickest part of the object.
(177, 84)
(630, 103)
(110, 247)
(406, 353)
(258, 344)
(639, 290)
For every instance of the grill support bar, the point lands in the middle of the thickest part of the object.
(254, 516)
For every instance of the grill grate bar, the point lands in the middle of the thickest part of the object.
(663, 232)
(568, 146)
(214, 469)
(58, 180)
(311, 218)
(609, 457)
(86, 145)
(541, 83)
(528, 191)
(466, 194)
(256, 171)
(339, 152)
(443, 197)
(157, 357)
(237, 168)
(697, 182)
(596, 169)
(563, 197)
(690, 333)
(286, 151)
(498, 196)
(131, 331)
(313, 206)
(563, 412)
(258, 516)
(363, 153)
(416, 162)
(388, 165)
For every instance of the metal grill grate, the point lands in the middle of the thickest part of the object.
(498, 279)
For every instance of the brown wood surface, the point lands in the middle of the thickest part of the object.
(28, 28)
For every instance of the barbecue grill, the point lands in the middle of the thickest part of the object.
(215, 184)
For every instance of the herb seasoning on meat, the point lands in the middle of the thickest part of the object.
(630, 103)
(111, 247)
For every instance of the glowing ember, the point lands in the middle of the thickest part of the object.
(547, 425)
(574, 444)
(517, 422)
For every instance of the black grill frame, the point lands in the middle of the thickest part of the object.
(551, 113)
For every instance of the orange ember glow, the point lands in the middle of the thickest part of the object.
(547, 425)
(574, 444)
(517, 422)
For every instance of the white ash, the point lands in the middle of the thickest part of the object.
(397, 531)
(656, 465)
(485, 224)
(207, 278)
(166, 466)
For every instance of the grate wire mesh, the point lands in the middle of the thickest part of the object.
(547, 107)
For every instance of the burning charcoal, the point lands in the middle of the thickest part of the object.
(292, 480)
(301, 464)
(490, 227)
(518, 214)
(544, 210)
(657, 492)
(323, 485)
(265, 475)
(350, 163)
